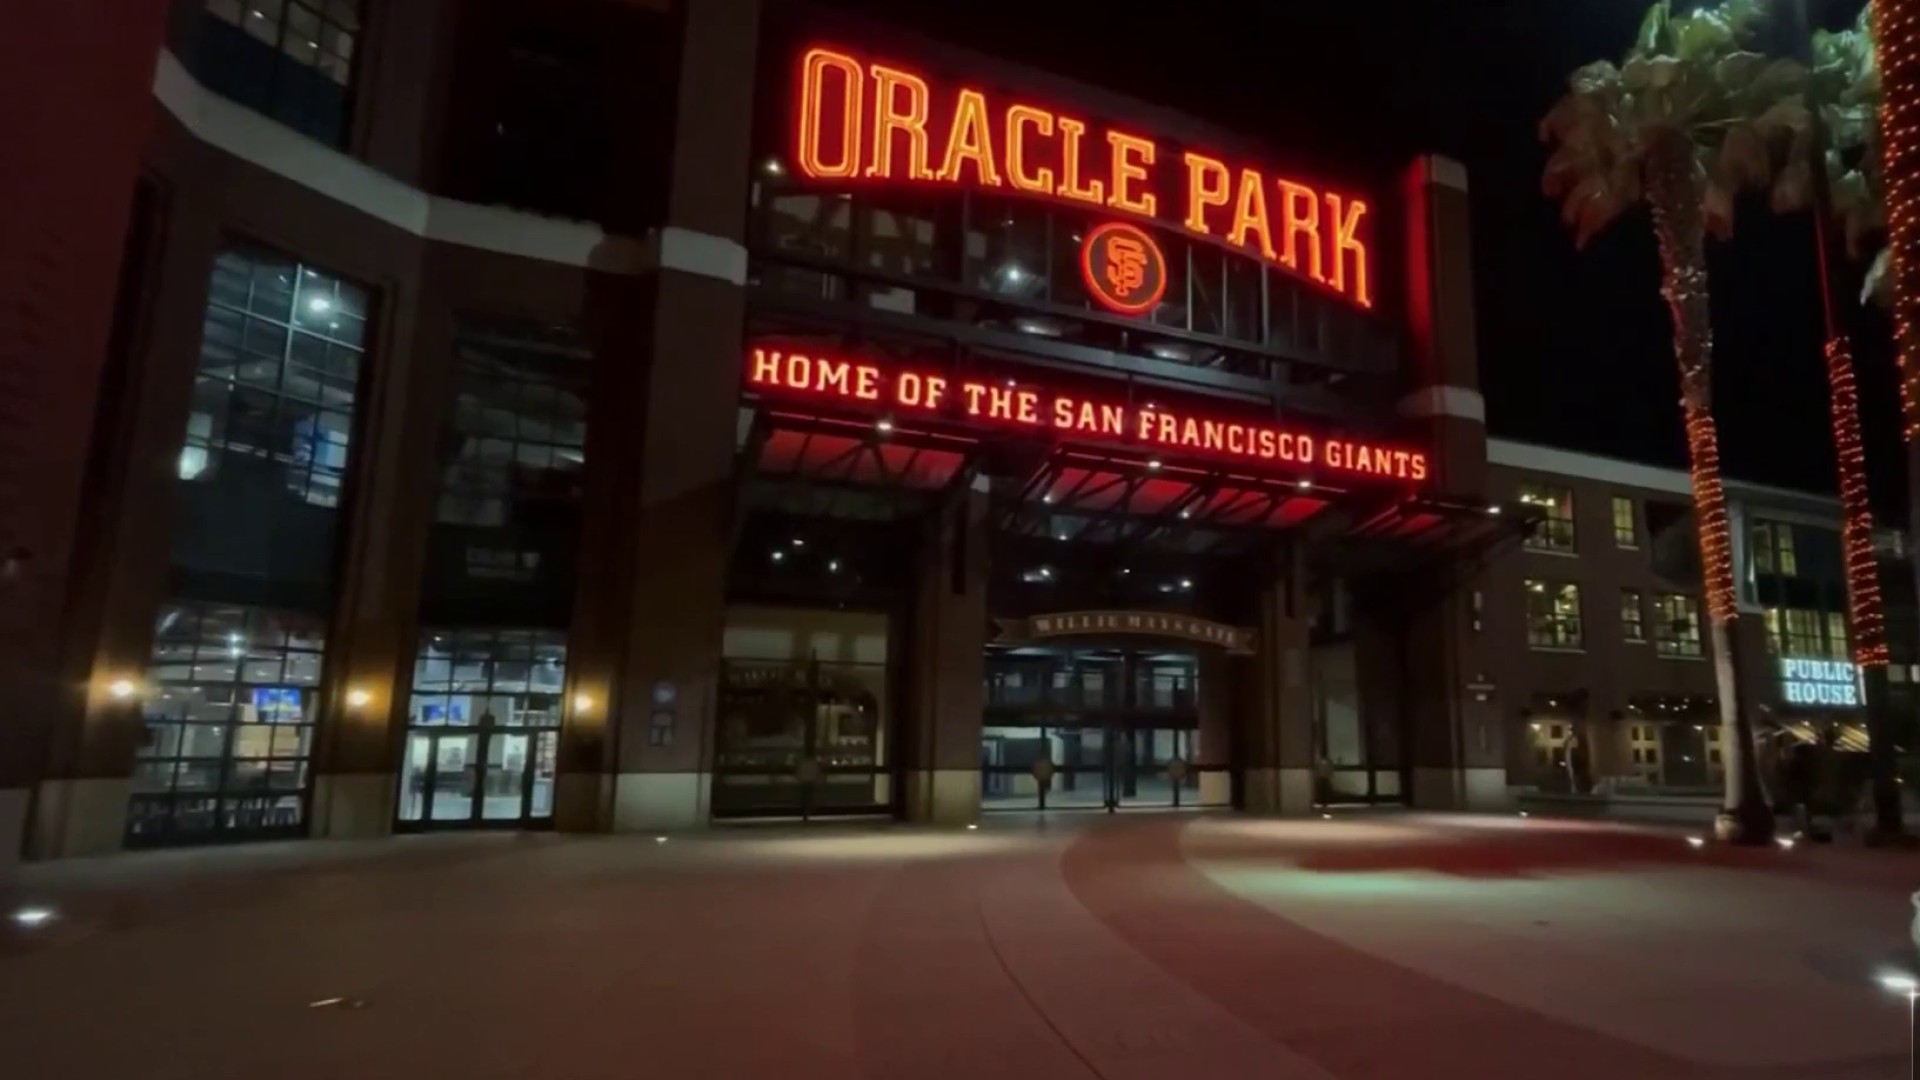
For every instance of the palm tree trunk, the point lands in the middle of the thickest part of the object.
(1865, 612)
(1896, 49)
(1674, 194)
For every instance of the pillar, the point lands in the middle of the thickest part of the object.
(67, 186)
(946, 665)
(636, 751)
(373, 638)
(1277, 699)
(1217, 673)
(1455, 745)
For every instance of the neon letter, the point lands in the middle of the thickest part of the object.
(1300, 213)
(1131, 156)
(1250, 214)
(766, 368)
(1071, 131)
(1202, 193)
(846, 125)
(888, 119)
(1344, 241)
(970, 140)
(1040, 181)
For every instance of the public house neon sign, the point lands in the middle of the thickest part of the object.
(866, 120)
(901, 392)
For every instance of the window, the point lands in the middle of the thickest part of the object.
(289, 59)
(1553, 615)
(519, 426)
(1625, 534)
(1555, 530)
(1837, 646)
(279, 367)
(483, 726)
(1632, 625)
(1676, 627)
(1807, 634)
(229, 724)
(1643, 741)
(263, 462)
(1773, 549)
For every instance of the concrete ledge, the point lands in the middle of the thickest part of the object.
(659, 802)
(1483, 790)
(13, 828)
(942, 796)
(1216, 788)
(1690, 809)
(582, 802)
(80, 817)
(353, 806)
(1288, 792)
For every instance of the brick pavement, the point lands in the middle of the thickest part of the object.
(1123, 948)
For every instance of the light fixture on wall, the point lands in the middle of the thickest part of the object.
(122, 689)
(358, 698)
(583, 703)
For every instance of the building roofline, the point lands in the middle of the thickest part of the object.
(1538, 457)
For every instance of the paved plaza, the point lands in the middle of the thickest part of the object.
(1135, 947)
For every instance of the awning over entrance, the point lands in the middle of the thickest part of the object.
(824, 467)
(1077, 495)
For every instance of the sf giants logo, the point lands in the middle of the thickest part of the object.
(1123, 268)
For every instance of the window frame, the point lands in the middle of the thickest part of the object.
(1633, 630)
(1626, 535)
(1556, 532)
(1666, 643)
(1555, 629)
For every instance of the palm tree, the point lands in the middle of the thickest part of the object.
(1688, 119)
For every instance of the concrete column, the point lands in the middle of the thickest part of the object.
(1277, 701)
(66, 195)
(1443, 405)
(647, 637)
(1455, 748)
(946, 666)
(1217, 673)
(120, 555)
(372, 639)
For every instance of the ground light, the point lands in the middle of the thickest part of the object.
(1896, 982)
(31, 917)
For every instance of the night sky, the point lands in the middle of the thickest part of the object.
(1575, 348)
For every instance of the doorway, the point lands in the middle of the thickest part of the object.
(1093, 728)
(483, 730)
(478, 777)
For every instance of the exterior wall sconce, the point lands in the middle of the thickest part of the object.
(122, 689)
(358, 699)
(583, 703)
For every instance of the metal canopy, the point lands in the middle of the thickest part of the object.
(813, 466)
(1077, 495)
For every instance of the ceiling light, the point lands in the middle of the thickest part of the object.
(1155, 463)
(797, 542)
(1494, 509)
(1305, 485)
(883, 424)
(774, 168)
(33, 916)
(779, 556)
(1186, 583)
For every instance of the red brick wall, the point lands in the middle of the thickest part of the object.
(79, 77)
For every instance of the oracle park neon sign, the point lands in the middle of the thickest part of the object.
(864, 120)
(898, 393)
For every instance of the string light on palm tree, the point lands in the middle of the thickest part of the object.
(1683, 123)
(1896, 45)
